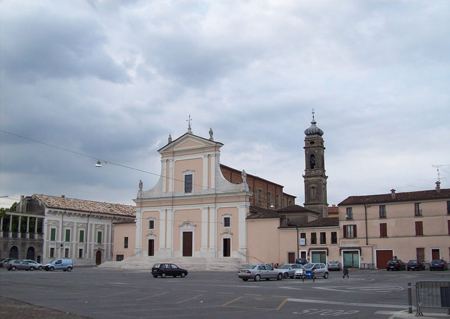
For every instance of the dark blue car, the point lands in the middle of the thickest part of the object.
(439, 264)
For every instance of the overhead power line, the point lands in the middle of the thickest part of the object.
(97, 158)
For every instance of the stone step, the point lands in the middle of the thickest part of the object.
(193, 264)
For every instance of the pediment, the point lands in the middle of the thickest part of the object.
(188, 142)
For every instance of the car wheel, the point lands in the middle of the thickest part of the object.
(155, 276)
(387, 269)
(285, 275)
(183, 275)
(13, 268)
(279, 277)
(52, 268)
(244, 279)
(409, 269)
(163, 275)
(69, 269)
(31, 268)
(325, 275)
(291, 277)
(40, 268)
(257, 278)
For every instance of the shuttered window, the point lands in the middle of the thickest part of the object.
(383, 230)
(419, 228)
(350, 231)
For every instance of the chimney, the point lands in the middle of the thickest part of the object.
(393, 193)
(438, 186)
(63, 196)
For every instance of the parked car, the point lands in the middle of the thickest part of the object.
(318, 269)
(25, 264)
(13, 264)
(34, 264)
(302, 261)
(259, 271)
(334, 265)
(65, 264)
(5, 262)
(166, 269)
(288, 270)
(395, 264)
(440, 264)
(415, 264)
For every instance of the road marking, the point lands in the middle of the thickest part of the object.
(348, 303)
(384, 289)
(291, 288)
(253, 303)
(189, 299)
(226, 304)
(164, 293)
(282, 304)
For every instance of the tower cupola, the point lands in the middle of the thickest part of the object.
(313, 129)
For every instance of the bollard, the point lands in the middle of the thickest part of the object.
(409, 298)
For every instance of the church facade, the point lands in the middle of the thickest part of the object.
(192, 211)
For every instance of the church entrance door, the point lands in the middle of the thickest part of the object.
(226, 247)
(98, 257)
(151, 247)
(187, 244)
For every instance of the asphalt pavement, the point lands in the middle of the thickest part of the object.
(101, 293)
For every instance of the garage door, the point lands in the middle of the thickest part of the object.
(383, 256)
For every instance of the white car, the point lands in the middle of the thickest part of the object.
(289, 269)
(318, 270)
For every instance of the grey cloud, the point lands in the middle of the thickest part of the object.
(40, 43)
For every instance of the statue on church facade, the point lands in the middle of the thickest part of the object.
(211, 133)
(244, 177)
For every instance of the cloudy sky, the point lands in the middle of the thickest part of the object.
(110, 80)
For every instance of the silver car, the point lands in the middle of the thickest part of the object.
(33, 264)
(259, 271)
(289, 269)
(318, 270)
(334, 265)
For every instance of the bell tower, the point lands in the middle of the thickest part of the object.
(315, 179)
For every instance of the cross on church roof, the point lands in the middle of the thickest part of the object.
(189, 124)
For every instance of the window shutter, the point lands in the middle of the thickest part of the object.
(345, 231)
(354, 228)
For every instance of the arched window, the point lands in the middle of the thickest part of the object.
(313, 192)
(312, 161)
(14, 252)
(31, 254)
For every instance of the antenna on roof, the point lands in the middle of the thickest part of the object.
(437, 169)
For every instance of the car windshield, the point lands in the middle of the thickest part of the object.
(333, 262)
(308, 266)
(285, 267)
(436, 261)
(413, 262)
(252, 266)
